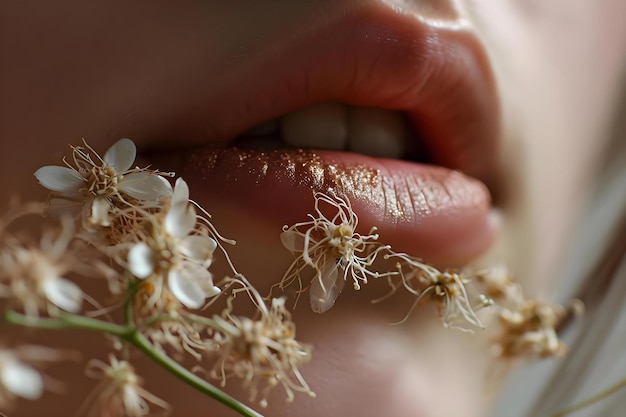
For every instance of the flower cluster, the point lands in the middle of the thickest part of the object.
(523, 327)
(331, 248)
(154, 247)
(261, 351)
(335, 252)
(530, 331)
(172, 248)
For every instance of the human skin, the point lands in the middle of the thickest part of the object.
(151, 71)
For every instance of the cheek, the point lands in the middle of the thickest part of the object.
(557, 103)
(363, 366)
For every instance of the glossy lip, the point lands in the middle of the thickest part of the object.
(370, 55)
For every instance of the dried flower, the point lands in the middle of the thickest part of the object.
(119, 393)
(333, 248)
(33, 276)
(262, 352)
(172, 326)
(530, 331)
(178, 332)
(102, 185)
(524, 328)
(498, 284)
(456, 300)
(176, 250)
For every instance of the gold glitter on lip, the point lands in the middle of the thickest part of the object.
(306, 169)
(397, 196)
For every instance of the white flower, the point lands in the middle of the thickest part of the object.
(177, 253)
(333, 248)
(20, 376)
(17, 379)
(35, 275)
(119, 393)
(103, 184)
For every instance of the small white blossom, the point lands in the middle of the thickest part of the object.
(176, 252)
(34, 275)
(20, 375)
(333, 248)
(119, 393)
(102, 185)
(17, 379)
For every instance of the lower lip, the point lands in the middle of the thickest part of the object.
(434, 213)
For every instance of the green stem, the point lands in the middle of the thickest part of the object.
(191, 379)
(131, 335)
(69, 321)
(619, 385)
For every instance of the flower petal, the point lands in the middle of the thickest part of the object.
(121, 155)
(180, 220)
(59, 179)
(145, 186)
(21, 380)
(181, 192)
(63, 294)
(212, 290)
(203, 278)
(134, 405)
(326, 287)
(198, 249)
(185, 288)
(100, 212)
(292, 241)
(59, 207)
(140, 260)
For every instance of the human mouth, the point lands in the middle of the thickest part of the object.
(355, 107)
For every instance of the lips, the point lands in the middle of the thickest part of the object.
(376, 55)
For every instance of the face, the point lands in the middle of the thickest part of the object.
(491, 117)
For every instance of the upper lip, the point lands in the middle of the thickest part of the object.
(436, 70)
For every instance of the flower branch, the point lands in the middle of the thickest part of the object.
(130, 335)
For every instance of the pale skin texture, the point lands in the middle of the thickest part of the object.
(67, 72)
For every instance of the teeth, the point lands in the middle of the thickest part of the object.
(322, 125)
(371, 131)
(378, 132)
(367, 130)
